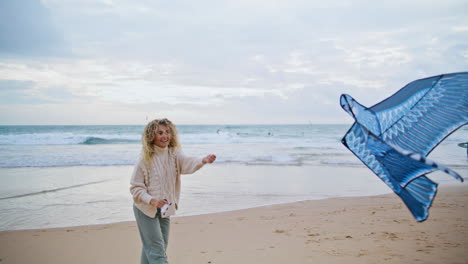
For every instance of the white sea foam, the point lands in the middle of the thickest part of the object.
(65, 139)
(61, 146)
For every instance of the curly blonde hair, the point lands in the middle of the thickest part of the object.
(149, 133)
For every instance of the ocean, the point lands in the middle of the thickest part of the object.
(54, 176)
(61, 146)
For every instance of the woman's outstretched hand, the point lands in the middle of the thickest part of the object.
(209, 159)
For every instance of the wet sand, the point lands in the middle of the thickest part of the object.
(375, 229)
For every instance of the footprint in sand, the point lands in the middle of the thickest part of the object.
(423, 250)
(279, 231)
(390, 235)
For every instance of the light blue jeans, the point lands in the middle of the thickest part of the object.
(154, 233)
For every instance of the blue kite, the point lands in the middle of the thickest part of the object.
(394, 137)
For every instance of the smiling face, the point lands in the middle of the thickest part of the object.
(162, 136)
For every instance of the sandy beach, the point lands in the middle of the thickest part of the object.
(375, 229)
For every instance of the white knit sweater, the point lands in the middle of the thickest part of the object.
(161, 179)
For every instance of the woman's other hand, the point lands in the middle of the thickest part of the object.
(158, 203)
(209, 159)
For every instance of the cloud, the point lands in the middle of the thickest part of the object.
(228, 61)
(17, 92)
(27, 29)
(14, 86)
(130, 82)
(14, 92)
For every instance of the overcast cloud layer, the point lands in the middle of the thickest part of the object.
(217, 62)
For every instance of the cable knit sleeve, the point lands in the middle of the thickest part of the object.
(138, 189)
(188, 165)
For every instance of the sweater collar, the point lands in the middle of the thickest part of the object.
(159, 150)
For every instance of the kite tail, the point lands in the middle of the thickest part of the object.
(418, 196)
(435, 165)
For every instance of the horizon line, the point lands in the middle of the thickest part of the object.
(181, 124)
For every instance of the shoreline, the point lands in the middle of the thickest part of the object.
(99, 195)
(447, 186)
(367, 229)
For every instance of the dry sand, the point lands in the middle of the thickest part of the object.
(375, 229)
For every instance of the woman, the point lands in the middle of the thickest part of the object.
(155, 186)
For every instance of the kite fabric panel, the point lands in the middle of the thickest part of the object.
(394, 137)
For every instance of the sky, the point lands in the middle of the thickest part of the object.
(89, 62)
